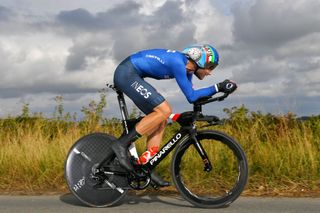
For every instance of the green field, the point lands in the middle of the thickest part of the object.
(283, 152)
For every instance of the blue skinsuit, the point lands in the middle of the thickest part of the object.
(158, 64)
(166, 64)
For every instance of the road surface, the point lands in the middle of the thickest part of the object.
(67, 203)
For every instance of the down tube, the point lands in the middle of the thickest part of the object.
(167, 148)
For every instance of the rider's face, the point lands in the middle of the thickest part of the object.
(200, 72)
(203, 72)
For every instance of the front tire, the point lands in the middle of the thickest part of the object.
(218, 187)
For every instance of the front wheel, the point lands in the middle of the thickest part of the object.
(215, 187)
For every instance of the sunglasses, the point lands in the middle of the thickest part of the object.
(211, 66)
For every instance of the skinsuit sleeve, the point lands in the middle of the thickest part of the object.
(185, 84)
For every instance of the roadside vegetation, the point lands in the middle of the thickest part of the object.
(283, 151)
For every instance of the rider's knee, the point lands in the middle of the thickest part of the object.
(167, 113)
(165, 110)
(163, 124)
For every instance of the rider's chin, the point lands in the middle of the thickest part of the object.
(200, 77)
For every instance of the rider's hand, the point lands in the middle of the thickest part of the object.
(227, 86)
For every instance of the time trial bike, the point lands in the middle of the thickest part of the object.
(209, 168)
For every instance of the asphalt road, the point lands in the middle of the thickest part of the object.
(68, 204)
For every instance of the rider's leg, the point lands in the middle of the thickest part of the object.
(155, 138)
(148, 124)
(153, 144)
(120, 148)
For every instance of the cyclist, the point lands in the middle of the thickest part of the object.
(198, 60)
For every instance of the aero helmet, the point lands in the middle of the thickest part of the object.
(205, 56)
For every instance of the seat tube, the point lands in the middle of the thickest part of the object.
(123, 111)
(125, 117)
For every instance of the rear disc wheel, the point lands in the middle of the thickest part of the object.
(82, 159)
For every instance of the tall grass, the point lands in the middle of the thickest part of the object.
(283, 152)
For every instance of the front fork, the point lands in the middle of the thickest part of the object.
(201, 151)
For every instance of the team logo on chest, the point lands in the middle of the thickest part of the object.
(141, 90)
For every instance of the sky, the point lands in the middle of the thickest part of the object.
(271, 48)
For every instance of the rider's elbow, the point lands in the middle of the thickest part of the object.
(191, 99)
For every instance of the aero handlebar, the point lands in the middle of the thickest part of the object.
(205, 100)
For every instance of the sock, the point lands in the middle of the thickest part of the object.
(147, 155)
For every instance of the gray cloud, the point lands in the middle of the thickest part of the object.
(170, 27)
(5, 14)
(81, 52)
(274, 51)
(54, 88)
(116, 22)
(167, 16)
(167, 27)
(79, 18)
(120, 16)
(276, 22)
(269, 47)
(260, 70)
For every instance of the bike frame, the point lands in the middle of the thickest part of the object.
(167, 148)
(185, 133)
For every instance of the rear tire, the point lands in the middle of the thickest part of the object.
(83, 156)
(218, 187)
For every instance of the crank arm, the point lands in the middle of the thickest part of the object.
(114, 187)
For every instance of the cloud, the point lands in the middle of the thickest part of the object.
(30, 67)
(5, 14)
(88, 50)
(273, 22)
(273, 51)
(79, 18)
(82, 20)
(269, 47)
(166, 27)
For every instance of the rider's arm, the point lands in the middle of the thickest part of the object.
(185, 85)
(189, 75)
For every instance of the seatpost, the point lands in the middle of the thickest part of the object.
(125, 117)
